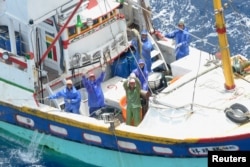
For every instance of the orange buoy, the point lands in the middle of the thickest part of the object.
(123, 105)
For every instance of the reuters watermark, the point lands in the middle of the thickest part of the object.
(229, 158)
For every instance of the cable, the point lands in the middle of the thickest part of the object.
(118, 149)
(151, 91)
(195, 81)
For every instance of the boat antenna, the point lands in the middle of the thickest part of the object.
(223, 44)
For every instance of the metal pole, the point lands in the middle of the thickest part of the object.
(224, 46)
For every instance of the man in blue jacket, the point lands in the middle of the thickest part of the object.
(72, 97)
(141, 73)
(146, 48)
(181, 36)
(95, 93)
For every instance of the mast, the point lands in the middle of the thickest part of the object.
(223, 43)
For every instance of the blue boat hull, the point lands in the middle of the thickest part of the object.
(106, 151)
(102, 157)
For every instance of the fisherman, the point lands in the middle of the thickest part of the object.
(146, 49)
(132, 88)
(72, 97)
(141, 73)
(95, 93)
(181, 36)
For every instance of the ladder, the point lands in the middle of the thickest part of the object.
(157, 57)
(58, 103)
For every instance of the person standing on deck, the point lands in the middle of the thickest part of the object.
(72, 97)
(181, 36)
(132, 88)
(146, 47)
(141, 72)
(94, 89)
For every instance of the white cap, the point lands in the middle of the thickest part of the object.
(181, 22)
(132, 80)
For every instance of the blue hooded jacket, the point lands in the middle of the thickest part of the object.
(71, 95)
(182, 42)
(94, 89)
(146, 53)
(147, 47)
(142, 75)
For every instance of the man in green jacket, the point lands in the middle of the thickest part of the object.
(132, 88)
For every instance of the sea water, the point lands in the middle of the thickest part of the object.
(15, 152)
(200, 20)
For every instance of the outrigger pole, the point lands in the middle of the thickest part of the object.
(59, 33)
(223, 43)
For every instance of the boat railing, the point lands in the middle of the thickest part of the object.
(97, 22)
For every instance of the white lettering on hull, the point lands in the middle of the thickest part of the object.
(204, 150)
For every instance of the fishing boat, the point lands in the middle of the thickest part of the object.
(200, 106)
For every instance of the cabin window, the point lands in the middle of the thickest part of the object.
(95, 21)
(71, 30)
(52, 54)
(104, 17)
(84, 27)
(112, 13)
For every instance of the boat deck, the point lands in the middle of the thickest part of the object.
(180, 114)
(195, 107)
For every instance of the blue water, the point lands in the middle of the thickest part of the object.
(199, 19)
(15, 152)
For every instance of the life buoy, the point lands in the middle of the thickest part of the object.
(233, 116)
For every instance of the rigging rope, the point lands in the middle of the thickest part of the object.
(195, 81)
(118, 149)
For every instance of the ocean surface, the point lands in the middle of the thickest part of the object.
(199, 18)
(15, 152)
